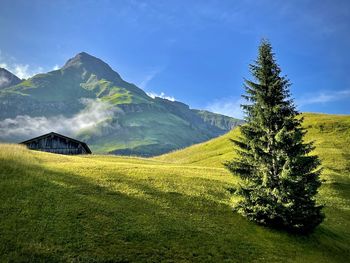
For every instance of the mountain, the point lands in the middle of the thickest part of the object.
(87, 99)
(7, 79)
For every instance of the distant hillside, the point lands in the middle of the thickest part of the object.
(173, 208)
(331, 134)
(218, 120)
(87, 99)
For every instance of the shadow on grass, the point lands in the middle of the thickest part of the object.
(53, 216)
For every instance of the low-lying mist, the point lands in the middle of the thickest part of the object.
(25, 127)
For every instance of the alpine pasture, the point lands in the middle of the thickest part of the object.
(171, 208)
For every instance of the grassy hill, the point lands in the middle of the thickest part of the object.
(175, 208)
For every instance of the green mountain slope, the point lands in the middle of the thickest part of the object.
(328, 131)
(83, 76)
(135, 124)
(176, 207)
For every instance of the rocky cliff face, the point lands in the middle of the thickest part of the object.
(218, 120)
(14, 105)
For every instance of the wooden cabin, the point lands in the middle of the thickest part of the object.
(57, 143)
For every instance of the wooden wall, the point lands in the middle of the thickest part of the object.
(55, 144)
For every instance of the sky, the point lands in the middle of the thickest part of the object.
(196, 52)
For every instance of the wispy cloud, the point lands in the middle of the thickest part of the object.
(148, 78)
(161, 95)
(23, 126)
(323, 97)
(227, 106)
(56, 67)
(23, 71)
(3, 80)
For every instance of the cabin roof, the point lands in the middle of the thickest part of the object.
(83, 144)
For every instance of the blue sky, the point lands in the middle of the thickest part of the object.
(194, 51)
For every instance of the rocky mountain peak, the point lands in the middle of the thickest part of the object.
(88, 63)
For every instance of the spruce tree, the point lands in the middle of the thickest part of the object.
(279, 176)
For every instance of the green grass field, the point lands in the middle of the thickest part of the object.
(172, 208)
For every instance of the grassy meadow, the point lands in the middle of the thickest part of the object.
(171, 208)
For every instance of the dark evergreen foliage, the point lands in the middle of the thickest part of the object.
(279, 176)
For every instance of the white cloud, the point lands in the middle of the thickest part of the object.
(227, 106)
(161, 95)
(56, 67)
(24, 126)
(23, 71)
(323, 97)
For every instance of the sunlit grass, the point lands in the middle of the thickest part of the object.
(175, 207)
